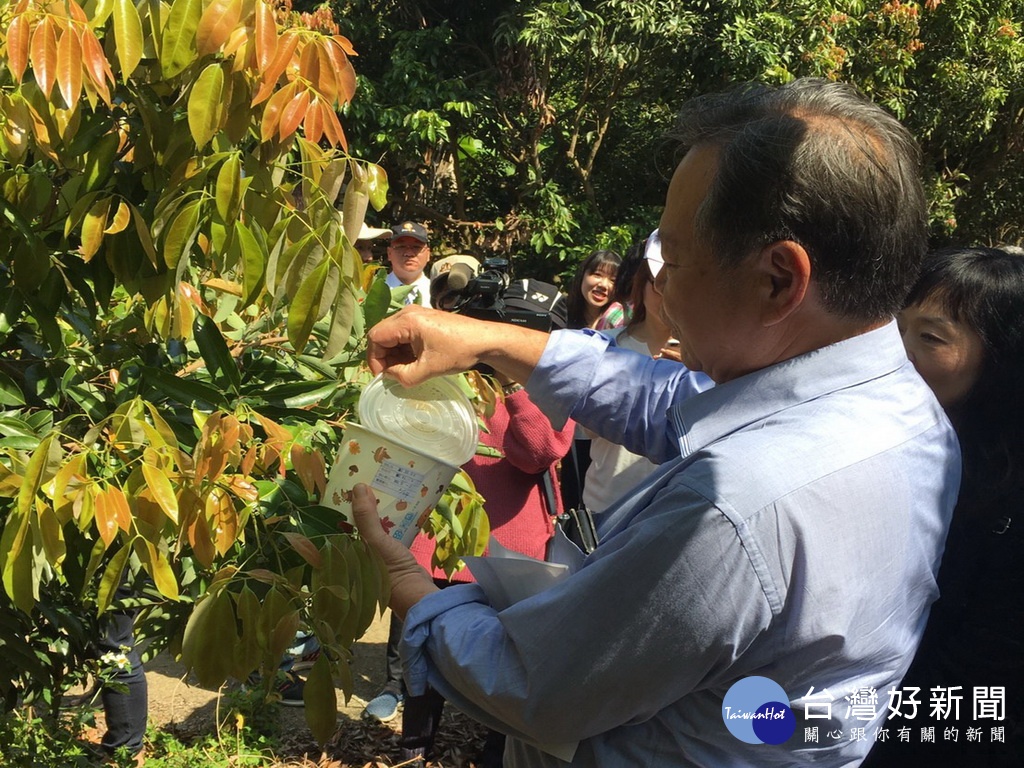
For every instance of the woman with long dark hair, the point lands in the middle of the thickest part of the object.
(963, 327)
(591, 288)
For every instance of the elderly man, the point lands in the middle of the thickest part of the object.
(748, 602)
(408, 253)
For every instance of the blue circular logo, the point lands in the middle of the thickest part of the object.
(755, 710)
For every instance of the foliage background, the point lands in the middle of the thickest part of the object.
(534, 128)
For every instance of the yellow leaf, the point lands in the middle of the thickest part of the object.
(121, 218)
(93, 226)
(162, 490)
(127, 36)
(159, 568)
(206, 105)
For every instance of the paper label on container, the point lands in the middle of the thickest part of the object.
(398, 480)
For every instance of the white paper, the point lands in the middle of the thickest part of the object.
(507, 577)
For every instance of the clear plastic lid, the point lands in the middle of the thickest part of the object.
(434, 417)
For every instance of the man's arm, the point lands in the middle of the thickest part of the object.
(416, 344)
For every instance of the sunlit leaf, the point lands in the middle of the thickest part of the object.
(283, 53)
(179, 37)
(120, 219)
(266, 35)
(218, 21)
(229, 188)
(181, 234)
(17, 46)
(253, 261)
(222, 366)
(160, 486)
(127, 36)
(111, 578)
(44, 54)
(93, 226)
(159, 568)
(292, 114)
(206, 105)
(96, 65)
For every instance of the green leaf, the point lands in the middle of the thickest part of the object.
(214, 350)
(229, 188)
(185, 391)
(378, 301)
(111, 578)
(303, 308)
(206, 111)
(178, 46)
(377, 186)
(181, 234)
(341, 322)
(254, 259)
(300, 394)
(127, 36)
(10, 393)
(16, 561)
(321, 701)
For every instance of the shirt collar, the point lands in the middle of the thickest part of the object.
(736, 404)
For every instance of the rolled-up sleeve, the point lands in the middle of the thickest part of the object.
(620, 395)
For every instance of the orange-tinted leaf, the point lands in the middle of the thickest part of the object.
(309, 63)
(201, 541)
(76, 12)
(17, 47)
(292, 114)
(122, 513)
(327, 83)
(313, 125)
(216, 25)
(282, 58)
(96, 65)
(346, 44)
(304, 547)
(272, 112)
(310, 467)
(106, 523)
(344, 74)
(332, 127)
(221, 512)
(44, 54)
(69, 66)
(266, 35)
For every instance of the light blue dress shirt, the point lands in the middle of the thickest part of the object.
(793, 532)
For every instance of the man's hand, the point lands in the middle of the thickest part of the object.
(416, 344)
(409, 582)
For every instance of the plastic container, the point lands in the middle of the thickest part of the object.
(408, 448)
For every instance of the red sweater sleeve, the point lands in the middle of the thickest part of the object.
(531, 444)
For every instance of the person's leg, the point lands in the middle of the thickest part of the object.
(126, 710)
(493, 753)
(421, 716)
(384, 706)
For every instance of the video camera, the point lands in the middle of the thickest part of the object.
(492, 294)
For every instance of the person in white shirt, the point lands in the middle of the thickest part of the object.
(408, 254)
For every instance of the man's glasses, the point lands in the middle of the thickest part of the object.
(652, 254)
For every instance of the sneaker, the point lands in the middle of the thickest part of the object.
(290, 689)
(384, 706)
(306, 660)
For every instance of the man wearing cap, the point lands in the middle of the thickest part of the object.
(409, 253)
(364, 243)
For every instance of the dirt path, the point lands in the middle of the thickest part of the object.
(189, 711)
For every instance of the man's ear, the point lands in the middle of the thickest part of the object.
(786, 276)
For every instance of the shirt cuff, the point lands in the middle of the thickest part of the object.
(564, 373)
(416, 633)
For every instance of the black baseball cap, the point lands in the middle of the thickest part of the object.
(410, 229)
